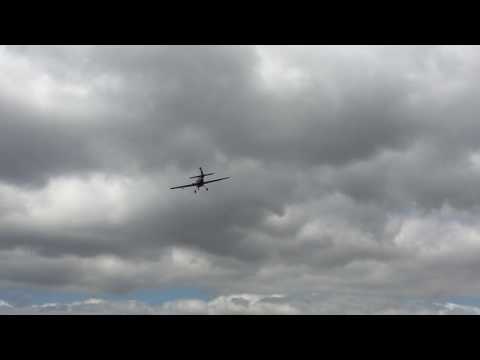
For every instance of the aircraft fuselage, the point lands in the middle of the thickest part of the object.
(199, 183)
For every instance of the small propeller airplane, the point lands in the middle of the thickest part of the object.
(200, 181)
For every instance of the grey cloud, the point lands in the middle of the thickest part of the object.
(31, 153)
(424, 177)
(213, 92)
(165, 92)
(369, 136)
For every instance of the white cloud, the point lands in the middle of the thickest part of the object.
(69, 201)
(278, 76)
(451, 308)
(251, 304)
(233, 304)
(5, 304)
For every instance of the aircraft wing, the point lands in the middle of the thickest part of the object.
(182, 186)
(206, 182)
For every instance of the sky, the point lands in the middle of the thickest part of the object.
(355, 179)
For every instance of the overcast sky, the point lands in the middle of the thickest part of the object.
(355, 179)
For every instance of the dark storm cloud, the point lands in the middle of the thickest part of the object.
(31, 152)
(428, 176)
(181, 101)
(198, 224)
(168, 96)
(318, 135)
(209, 85)
(50, 243)
(28, 269)
(332, 155)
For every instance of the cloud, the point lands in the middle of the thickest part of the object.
(353, 168)
(242, 304)
(247, 304)
(4, 304)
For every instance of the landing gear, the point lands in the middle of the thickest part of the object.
(206, 188)
(195, 191)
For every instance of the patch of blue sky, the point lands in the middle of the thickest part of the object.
(20, 296)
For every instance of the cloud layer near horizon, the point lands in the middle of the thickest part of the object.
(246, 304)
(354, 169)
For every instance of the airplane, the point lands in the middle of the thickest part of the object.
(200, 181)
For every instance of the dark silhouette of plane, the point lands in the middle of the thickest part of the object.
(200, 181)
